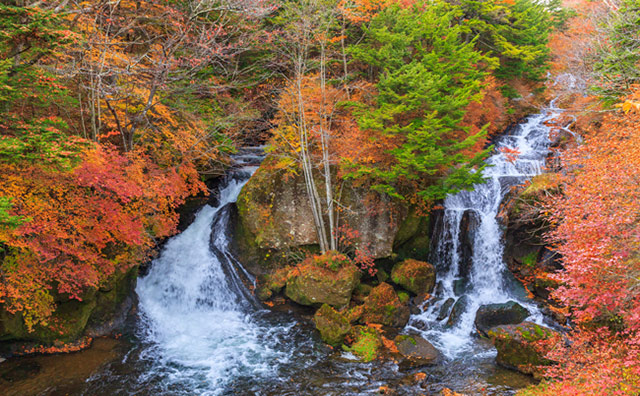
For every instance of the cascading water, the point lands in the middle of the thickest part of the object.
(202, 324)
(470, 246)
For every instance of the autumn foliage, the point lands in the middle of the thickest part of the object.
(597, 233)
(595, 225)
(102, 137)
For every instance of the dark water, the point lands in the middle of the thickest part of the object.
(119, 367)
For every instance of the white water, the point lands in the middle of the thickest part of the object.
(487, 278)
(197, 315)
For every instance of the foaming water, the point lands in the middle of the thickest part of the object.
(197, 316)
(474, 272)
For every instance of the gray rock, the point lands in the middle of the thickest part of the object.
(458, 309)
(445, 308)
(417, 350)
(493, 315)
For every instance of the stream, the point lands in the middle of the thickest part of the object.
(198, 330)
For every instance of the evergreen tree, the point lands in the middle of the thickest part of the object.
(428, 74)
(516, 33)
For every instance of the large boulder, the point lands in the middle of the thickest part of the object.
(417, 350)
(275, 214)
(416, 276)
(383, 306)
(522, 347)
(313, 284)
(332, 325)
(493, 315)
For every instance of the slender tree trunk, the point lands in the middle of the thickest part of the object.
(307, 166)
(324, 140)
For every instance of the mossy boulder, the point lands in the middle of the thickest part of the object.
(492, 315)
(332, 325)
(275, 215)
(416, 350)
(521, 347)
(383, 306)
(313, 284)
(366, 345)
(415, 276)
(94, 315)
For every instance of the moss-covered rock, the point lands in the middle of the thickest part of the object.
(415, 276)
(366, 345)
(275, 215)
(312, 284)
(383, 306)
(521, 347)
(332, 325)
(412, 239)
(72, 318)
(272, 283)
(361, 293)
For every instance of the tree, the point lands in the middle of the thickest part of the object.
(517, 32)
(427, 75)
(306, 26)
(618, 56)
(597, 234)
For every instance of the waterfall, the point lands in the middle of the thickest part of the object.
(201, 322)
(469, 247)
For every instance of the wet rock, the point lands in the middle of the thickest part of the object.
(332, 325)
(383, 306)
(468, 226)
(416, 276)
(417, 350)
(386, 391)
(493, 315)
(458, 309)
(459, 286)
(445, 308)
(519, 346)
(416, 379)
(311, 284)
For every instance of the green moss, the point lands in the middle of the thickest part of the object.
(401, 338)
(367, 344)
(530, 259)
(418, 277)
(332, 325)
(518, 346)
(404, 297)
